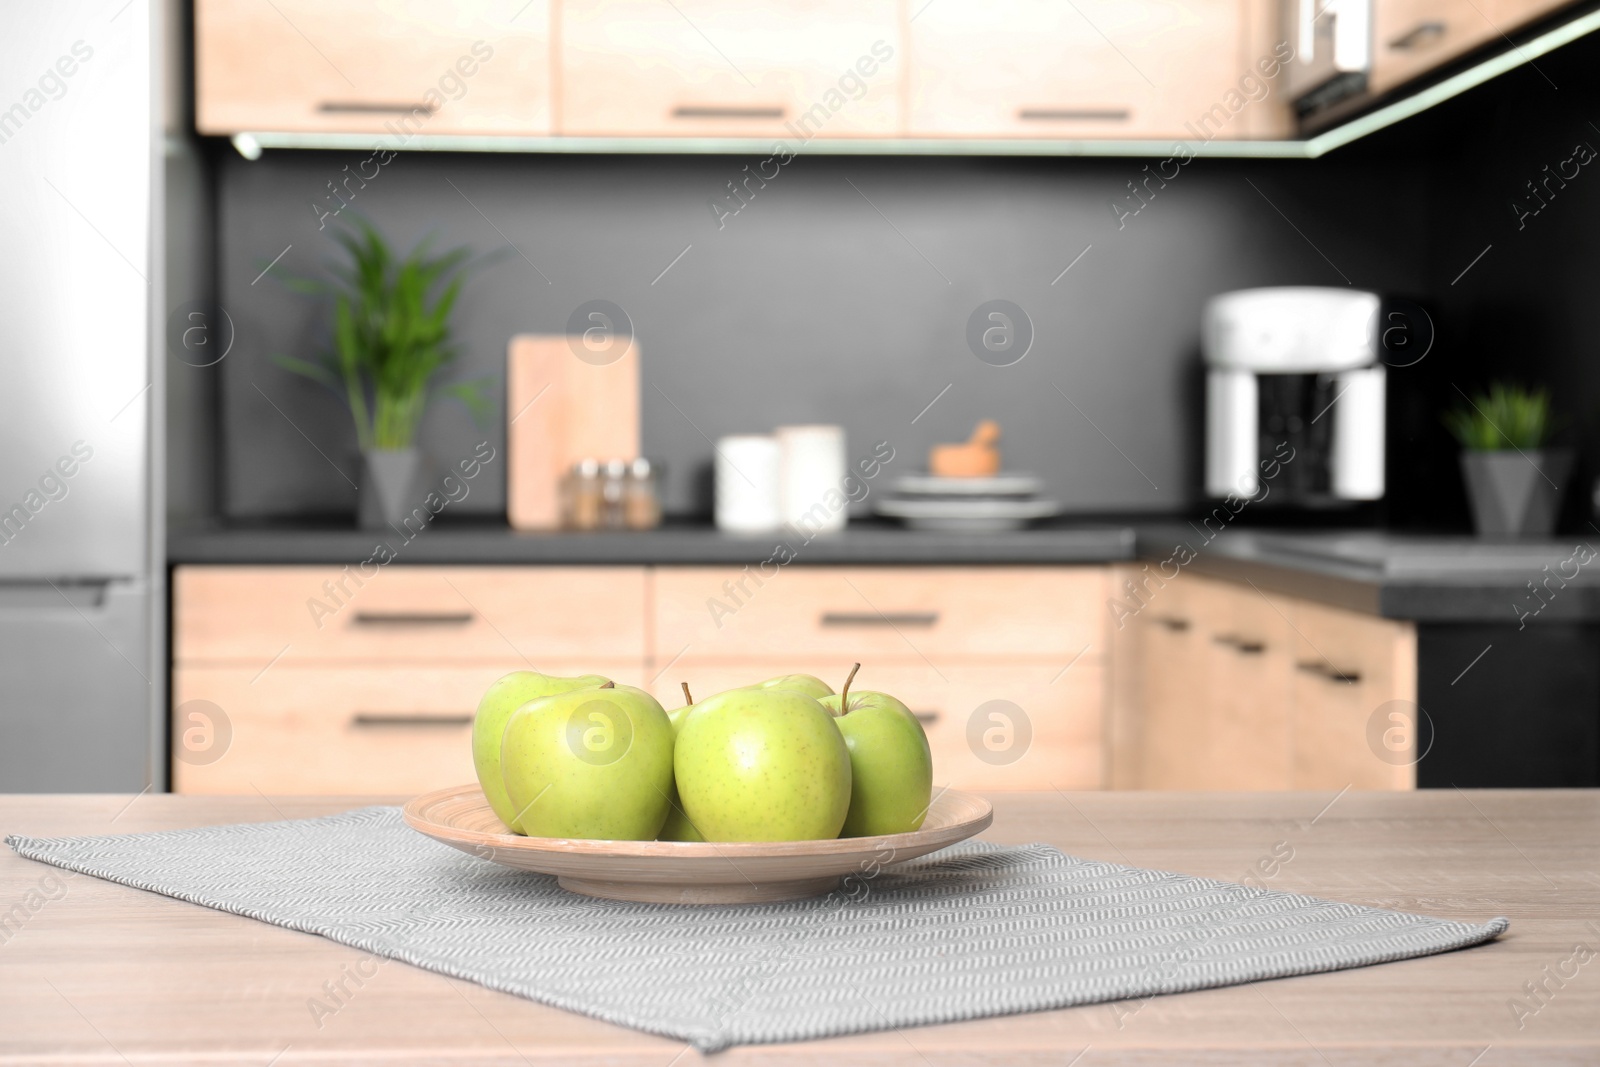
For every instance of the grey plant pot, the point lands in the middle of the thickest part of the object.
(388, 486)
(1516, 495)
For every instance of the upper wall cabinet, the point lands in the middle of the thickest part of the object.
(372, 66)
(730, 68)
(1412, 37)
(1091, 68)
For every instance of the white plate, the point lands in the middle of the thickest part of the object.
(997, 485)
(968, 516)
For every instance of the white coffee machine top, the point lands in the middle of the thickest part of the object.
(1291, 330)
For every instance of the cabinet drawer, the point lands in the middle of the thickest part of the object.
(1350, 670)
(1411, 37)
(790, 69)
(336, 730)
(975, 745)
(837, 615)
(408, 614)
(426, 66)
(1090, 69)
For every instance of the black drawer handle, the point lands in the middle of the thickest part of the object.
(362, 107)
(1423, 35)
(1328, 671)
(414, 618)
(727, 112)
(403, 718)
(1074, 114)
(1177, 626)
(880, 618)
(926, 718)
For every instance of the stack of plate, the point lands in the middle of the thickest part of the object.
(971, 505)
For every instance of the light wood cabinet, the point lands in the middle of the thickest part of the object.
(1238, 689)
(1353, 701)
(1095, 68)
(1019, 726)
(373, 66)
(1412, 37)
(333, 680)
(790, 69)
(401, 614)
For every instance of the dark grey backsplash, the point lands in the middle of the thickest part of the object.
(841, 293)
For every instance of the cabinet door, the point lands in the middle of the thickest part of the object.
(1354, 694)
(370, 66)
(990, 727)
(1174, 653)
(1509, 15)
(790, 69)
(1251, 648)
(1095, 68)
(1411, 37)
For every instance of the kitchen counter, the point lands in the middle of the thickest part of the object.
(1422, 578)
(493, 542)
(97, 973)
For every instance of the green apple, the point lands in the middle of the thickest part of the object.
(678, 827)
(891, 766)
(489, 725)
(809, 684)
(762, 764)
(589, 763)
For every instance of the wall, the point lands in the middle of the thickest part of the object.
(841, 293)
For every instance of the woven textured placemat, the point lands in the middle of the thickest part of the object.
(975, 930)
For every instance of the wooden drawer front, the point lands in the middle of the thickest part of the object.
(1411, 37)
(409, 614)
(339, 730)
(837, 615)
(724, 68)
(1346, 668)
(482, 66)
(1065, 713)
(1093, 69)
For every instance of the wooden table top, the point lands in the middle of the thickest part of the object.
(97, 973)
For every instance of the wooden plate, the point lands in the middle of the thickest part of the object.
(673, 872)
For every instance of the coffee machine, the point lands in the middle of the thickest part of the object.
(1294, 396)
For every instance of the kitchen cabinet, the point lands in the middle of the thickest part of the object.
(373, 66)
(337, 680)
(1005, 665)
(329, 684)
(1238, 689)
(1095, 68)
(1412, 37)
(790, 69)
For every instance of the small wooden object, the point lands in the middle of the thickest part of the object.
(976, 458)
(560, 409)
(678, 872)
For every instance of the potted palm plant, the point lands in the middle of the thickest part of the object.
(391, 339)
(1515, 479)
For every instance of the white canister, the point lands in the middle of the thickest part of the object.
(747, 484)
(812, 493)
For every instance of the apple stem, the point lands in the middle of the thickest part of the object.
(608, 685)
(844, 692)
(687, 699)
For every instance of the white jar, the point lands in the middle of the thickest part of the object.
(812, 494)
(747, 484)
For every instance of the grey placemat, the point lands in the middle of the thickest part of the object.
(972, 931)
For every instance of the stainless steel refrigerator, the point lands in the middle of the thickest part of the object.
(80, 580)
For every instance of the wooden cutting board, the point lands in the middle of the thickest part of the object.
(561, 409)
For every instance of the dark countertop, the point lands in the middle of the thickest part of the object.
(1436, 579)
(865, 542)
